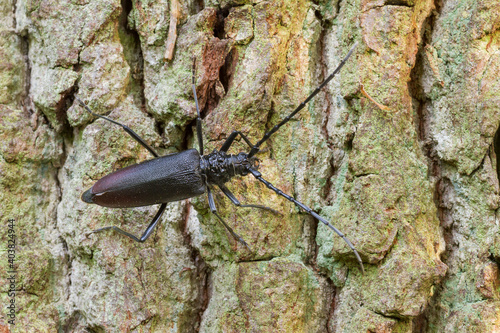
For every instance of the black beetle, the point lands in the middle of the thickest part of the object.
(190, 173)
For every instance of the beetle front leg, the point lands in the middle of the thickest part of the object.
(213, 209)
(147, 232)
(230, 139)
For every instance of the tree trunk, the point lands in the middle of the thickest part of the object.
(398, 152)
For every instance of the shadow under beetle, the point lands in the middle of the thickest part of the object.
(191, 173)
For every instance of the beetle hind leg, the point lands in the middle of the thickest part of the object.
(147, 232)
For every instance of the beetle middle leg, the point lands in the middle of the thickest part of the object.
(213, 209)
(147, 232)
(236, 202)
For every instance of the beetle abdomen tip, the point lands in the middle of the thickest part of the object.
(87, 196)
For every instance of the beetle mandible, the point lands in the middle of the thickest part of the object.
(191, 173)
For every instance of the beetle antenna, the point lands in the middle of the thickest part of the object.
(198, 117)
(266, 136)
(309, 211)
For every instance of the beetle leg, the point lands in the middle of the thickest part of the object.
(308, 210)
(211, 203)
(230, 139)
(127, 129)
(146, 234)
(236, 202)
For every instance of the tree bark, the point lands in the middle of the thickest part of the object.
(399, 152)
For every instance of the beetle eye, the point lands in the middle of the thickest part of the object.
(256, 163)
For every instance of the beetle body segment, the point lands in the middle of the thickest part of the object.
(164, 179)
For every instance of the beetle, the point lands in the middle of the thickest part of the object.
(190, 173)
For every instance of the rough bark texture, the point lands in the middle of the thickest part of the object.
(399, 152)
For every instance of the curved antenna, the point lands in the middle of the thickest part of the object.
(309, 211)
(255, 149)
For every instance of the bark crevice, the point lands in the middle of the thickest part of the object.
(442, 186)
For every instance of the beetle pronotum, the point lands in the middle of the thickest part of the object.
(191, 173)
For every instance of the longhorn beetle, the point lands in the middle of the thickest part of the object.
(191, 173)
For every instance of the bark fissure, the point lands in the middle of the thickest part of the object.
(202, 274)
(395, 3)
(132, 51)
(442, 186)
(14, 17)
(400, 3)
(26, 99)
(496, 148)
(258, 260)
(219, 26)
